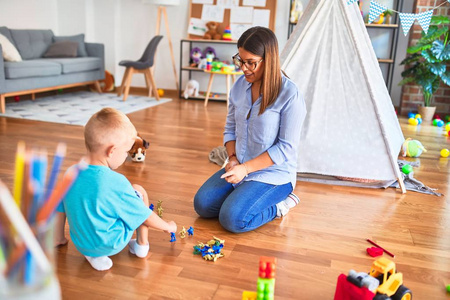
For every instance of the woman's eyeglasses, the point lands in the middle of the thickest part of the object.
(250, 65)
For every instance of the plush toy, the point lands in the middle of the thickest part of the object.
(412, 148)
(191, 89)
(212, 33)
(196, 56)
(137, 152)
(202, 64)
(210, 51)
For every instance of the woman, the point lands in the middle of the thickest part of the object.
(262, 133)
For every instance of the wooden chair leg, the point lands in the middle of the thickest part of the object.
(208, 91)
(128, 83)
(152, 80)
(2, 104)
(148, 83)
(122, 86)
(98, 87)
(33, 96)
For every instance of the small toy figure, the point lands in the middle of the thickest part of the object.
(172, 237)
(192, 89)
(190, 231)
(212, 52)
(196, 56)
(183, 233)
(212, 33)
(159, 208)
(212, 249)
(151, 206)
(412, 148)
(137, 152)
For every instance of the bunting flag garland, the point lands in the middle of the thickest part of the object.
(406, 20)
(375, 10)
(424, 19)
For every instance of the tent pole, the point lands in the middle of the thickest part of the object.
(401, 184)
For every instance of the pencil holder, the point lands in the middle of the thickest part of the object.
(23, 277)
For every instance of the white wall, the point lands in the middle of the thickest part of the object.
(124, 26)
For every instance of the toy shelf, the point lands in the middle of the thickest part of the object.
(382, 25)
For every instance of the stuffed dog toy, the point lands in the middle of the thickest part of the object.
(191, 89)
(137, 152)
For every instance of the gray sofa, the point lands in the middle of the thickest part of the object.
(37, 74)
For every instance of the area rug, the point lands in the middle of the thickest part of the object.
(75, 108)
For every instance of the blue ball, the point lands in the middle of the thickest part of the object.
(411, 115)
(440, 123)
(419, 120)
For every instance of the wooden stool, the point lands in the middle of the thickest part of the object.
(211, 79)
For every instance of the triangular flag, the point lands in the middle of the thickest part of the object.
(375, 10)
(406, 20)
(424, 19)
(353, 1)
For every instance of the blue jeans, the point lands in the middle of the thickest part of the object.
(244, 208)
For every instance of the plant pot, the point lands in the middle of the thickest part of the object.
(387, 19)
(427, 112)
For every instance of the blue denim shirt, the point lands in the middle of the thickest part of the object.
(276, 131)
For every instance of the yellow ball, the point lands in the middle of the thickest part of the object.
(418, 116)
(447, 127)
(160, 92)
(413, 121)
(445, 152)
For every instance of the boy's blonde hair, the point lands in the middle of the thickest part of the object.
(107, 127)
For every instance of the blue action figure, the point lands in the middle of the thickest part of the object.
(190, 231)
(172, 237)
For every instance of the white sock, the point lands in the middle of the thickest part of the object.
(284, 206)
(138, 250)
(101, 263)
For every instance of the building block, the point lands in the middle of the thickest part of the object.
(265, 289)
(267, 266)
(246, 295)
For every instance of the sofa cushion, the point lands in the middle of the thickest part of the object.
(62, 49)
(31, 68)
(9, 51)
(5, 31)
(79, 38)
(31, 43)
(79, 64)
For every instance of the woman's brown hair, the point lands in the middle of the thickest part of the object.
(262, 41)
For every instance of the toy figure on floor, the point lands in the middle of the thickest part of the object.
(192, 89)
(137, 152)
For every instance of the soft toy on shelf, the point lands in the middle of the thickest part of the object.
(191, 89)
(212, 33)
(412, 148)
(210, 51)
(137, 152)
(196, 56)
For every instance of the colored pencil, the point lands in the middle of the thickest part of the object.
(39, 172)
(20, 224)
(60, 191)
(57, 161)
(387, 252)
(18, 175)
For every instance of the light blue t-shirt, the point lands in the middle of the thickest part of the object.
(276, 131)
(103, 211)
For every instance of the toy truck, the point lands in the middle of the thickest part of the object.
(382, 283)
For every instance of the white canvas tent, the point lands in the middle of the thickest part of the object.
(351, 134)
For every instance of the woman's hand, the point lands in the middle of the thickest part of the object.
(231, 163)
(235, 174)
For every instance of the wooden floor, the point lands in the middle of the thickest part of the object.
(322, 237)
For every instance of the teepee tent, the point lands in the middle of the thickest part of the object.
(351, 135)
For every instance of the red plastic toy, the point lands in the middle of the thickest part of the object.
(267, 267)
(345, 290)
(374, 251)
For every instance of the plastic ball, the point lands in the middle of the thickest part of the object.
(440, 123)
(160, 92)
(419, 121)
(448, 288)
(435, 122)
(437, 117)
(445, 152)
(447, 118)
(16, 98)
(407, 169)
(413, 121)
(411, 115)
(447, 126)
(418, 116)
(412, 148)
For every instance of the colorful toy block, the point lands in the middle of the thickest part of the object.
(246, 295)
(265, 289)
(267, 267)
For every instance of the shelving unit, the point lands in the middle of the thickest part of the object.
(393, 41)
(184, 65)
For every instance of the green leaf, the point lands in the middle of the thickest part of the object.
(437, 68)
(429, 57)
(438, 20)
(406, 80)
(418, 47)
(439, 50)
(434, 33)
(446, 78)
(410, 59)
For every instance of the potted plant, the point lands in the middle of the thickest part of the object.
(387, 16)
(427, 63)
